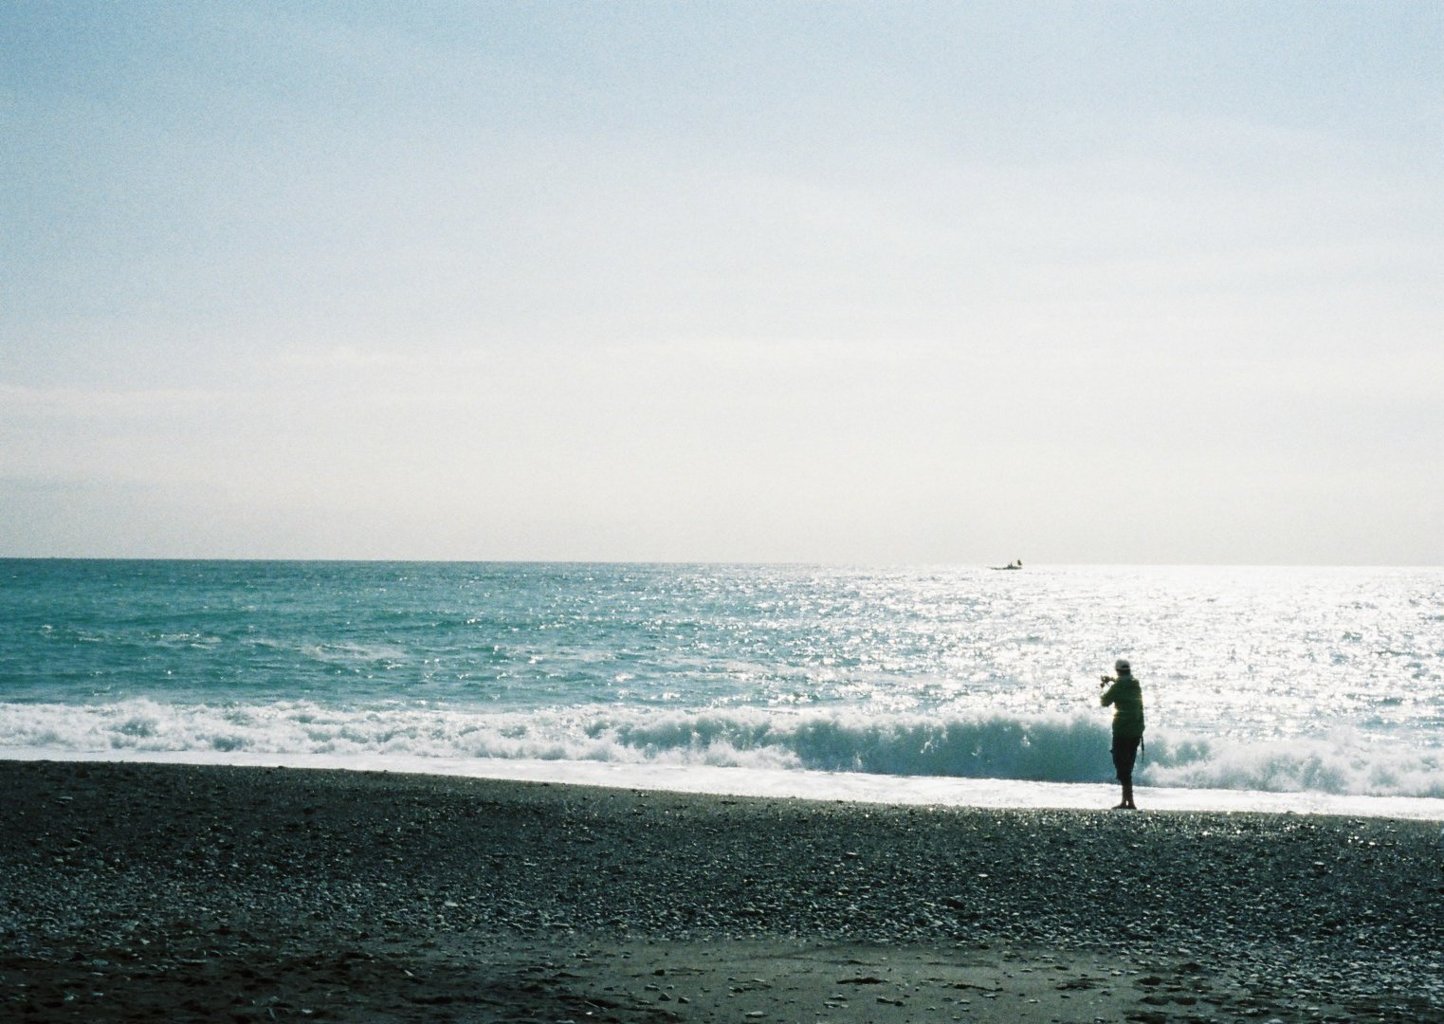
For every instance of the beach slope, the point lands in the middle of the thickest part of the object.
(133, 892)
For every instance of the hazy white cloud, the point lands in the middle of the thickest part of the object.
(515, 281)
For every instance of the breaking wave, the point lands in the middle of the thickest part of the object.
(1043, 748)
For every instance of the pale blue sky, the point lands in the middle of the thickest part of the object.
(924, 282)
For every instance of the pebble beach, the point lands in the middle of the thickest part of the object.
(139, 892)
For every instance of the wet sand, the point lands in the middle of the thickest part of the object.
(140, 892)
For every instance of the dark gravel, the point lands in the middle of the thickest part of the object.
(156, 865)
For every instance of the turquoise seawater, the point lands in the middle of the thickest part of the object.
(1327, 680)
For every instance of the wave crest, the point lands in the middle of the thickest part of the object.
(1040, 748)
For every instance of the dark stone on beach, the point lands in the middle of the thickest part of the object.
(180, 869)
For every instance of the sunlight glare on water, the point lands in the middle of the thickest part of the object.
(1266, 678)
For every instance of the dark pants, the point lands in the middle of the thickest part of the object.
(1125, 752)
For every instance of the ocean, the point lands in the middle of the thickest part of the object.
(1289, 689)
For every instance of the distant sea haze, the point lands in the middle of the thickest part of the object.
(1297, 683)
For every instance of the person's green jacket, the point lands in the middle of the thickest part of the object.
(1126, 696)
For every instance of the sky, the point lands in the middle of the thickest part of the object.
(862, 283)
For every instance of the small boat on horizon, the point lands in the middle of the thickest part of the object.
(1016, 563)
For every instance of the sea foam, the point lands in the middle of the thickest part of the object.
(1039, 748)
(1304, 683)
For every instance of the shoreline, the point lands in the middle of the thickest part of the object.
(136, 890)
(801, 784)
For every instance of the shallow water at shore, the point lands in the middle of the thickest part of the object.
(820, 786)
(1315, 685)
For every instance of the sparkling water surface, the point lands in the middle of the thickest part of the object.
(1323, 680)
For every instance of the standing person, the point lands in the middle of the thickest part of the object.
(1126, 696)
